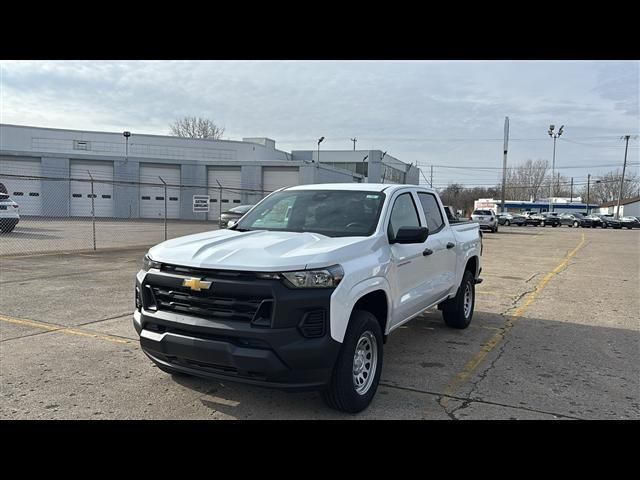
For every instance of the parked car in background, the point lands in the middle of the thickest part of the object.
(548, 218)
(486, 219)
(505, 219)
(596, 221)
(609, 221)
(524, 220)
(9, 211)
(231, 216)
(575, 220)
(629, 222)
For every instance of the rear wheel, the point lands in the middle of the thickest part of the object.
(457, 312)
(542, 223)
(576, 224)
(357, 372)
(507, 223)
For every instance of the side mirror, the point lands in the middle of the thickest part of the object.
(411, 235)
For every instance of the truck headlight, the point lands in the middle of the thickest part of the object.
(147, 263)
(322, 278)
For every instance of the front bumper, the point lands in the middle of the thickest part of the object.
(279, 355)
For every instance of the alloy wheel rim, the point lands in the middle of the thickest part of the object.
(365, 362)
(468, 301)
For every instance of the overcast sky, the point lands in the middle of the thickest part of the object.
(431, 112)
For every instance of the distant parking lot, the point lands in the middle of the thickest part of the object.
(555, 335)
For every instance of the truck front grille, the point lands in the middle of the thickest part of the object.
(205, 305)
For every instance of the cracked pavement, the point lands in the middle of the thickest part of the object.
(573, 354)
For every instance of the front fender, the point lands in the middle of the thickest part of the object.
(343, 301)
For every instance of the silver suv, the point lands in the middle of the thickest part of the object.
(486, 219)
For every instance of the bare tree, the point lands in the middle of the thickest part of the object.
(461, 198)
(605, 187)
(527, 181)
(192, 127)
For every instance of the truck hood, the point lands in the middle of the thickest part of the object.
(258, 250)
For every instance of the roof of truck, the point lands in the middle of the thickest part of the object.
(365, 187)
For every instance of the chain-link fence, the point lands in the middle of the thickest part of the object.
(49, 214)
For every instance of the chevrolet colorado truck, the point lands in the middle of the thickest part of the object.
(303, 291)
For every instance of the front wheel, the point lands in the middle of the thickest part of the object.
(458, 311)
(357, 372)
(542, 224)
(576, 224)
(507, 223)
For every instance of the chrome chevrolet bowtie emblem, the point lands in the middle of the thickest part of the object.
(196, 284)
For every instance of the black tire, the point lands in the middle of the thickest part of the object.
(507, 223)
(576, 224)
(555, 225)
(453, 311)
(7, 226)
(341, 393)
(542, 223)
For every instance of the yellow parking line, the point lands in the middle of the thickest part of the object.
(472, 364)
(57, 328)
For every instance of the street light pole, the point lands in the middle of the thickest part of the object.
(553, 164)
(354, 140)
(588, 185)
(504, 160)
(624, 166)
(126, 151)
(319, 142)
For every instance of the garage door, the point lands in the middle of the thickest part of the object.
(274, 178)
(229, 196)
(27, 193)
(152, 197)
(80, 189)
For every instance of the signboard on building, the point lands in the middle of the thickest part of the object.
(201, 203)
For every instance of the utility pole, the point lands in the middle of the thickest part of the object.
(431, 178)
(624, 166)
(553, 167)
(588, 185)
(504, 159)
(571, 197)
(354, 140)
(319, 142)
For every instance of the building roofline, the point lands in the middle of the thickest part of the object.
(625, 201)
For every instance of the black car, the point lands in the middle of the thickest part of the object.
(522, 220)
(609, 222)
(575, 220)
(596, 221)
(233, 215)
(548, 218)
(629, 222)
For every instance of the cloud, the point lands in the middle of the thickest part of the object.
(436, 112)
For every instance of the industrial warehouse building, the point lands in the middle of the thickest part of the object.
(70, 173)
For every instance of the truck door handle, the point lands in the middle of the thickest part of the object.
(451, 245)
(427, 251)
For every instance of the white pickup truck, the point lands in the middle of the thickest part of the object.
(304, 290)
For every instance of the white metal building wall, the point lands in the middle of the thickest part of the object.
(274, 178)
(152, 199)
(80, 191)
(27, 193)
(230, 194)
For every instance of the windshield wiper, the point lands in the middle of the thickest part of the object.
(242, 229)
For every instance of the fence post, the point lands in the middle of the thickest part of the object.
(93, 211)
(219, 201)
(165, 207)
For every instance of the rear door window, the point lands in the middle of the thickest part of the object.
(432, 212)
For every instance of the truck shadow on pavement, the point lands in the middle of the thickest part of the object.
(538, 370)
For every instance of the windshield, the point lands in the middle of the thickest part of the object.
(334, 213)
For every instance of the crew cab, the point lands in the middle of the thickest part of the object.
(304, 290)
